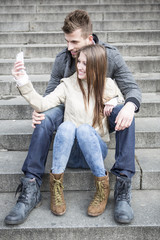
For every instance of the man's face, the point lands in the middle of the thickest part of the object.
(75, 41)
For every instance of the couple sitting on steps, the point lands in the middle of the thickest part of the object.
(82, 92)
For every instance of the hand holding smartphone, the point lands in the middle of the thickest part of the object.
(20, 57)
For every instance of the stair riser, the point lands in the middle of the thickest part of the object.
(52, 51)
(149, 86)
(40, 2)
(72, 181)
(55, 38)
(87, 233)
(148, 179)
(97, 26)
(20, 142)
(98, 16)
(89, 7)
(9, 88)
(137, 66)
(19, 112)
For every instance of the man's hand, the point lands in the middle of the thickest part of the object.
(125, 116)
(37, 118)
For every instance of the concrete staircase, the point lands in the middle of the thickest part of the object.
(35, 27)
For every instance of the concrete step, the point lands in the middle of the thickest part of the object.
(15, 135)
(42, 2)
(16, 107)
(88, 7)
(149, 162)
(44, 65)
(146, 177)
(148, 83)
(75, 224)
(99, 16)
(58, 37)
(97, 26)
(10, 173)
(143, 64)
(51, 50)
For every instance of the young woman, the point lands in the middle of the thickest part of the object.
(85, 127)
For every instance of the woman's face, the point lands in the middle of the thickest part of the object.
(81, 66)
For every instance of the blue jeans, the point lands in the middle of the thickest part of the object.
(35, 161)
(125, 147)
(80, 147)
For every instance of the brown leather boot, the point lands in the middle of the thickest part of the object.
(58, 205)
(98, 204)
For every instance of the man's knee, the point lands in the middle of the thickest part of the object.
(53, 118)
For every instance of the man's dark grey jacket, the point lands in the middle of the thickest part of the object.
(64, 66)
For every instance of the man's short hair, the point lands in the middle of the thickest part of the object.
(78, 19)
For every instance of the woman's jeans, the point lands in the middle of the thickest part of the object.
(35, 161)
(80, 147)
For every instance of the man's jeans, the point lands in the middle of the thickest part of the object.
(35, 161)
(80, 147)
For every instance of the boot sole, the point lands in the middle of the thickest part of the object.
(58, 214)
(95, 215)
(123, 221)
(23, 220)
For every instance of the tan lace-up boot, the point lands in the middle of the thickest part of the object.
(58, 205)
(98, 204)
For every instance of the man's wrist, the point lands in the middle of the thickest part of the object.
(131, 104)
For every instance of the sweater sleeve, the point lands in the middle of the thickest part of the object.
(111, 91)
(39, 103)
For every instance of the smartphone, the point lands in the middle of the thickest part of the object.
(20, 57)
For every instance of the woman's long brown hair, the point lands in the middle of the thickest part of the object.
(96, 67)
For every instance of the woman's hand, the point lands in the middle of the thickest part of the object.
(19, 74)
(108, 109)
(18, 70)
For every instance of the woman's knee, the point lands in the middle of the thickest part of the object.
(83, 132)
(83, 129)
(67, 128)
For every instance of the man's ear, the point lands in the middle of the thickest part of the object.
(90, 38)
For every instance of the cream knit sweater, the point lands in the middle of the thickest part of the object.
(68, 92)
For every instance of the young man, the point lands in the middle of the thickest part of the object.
(78, 33)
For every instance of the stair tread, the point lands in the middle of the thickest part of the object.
(24, 126)
(146, 213)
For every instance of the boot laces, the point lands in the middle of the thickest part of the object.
(58, 186)
(99, 195)
(123, 192)
(25, 193)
